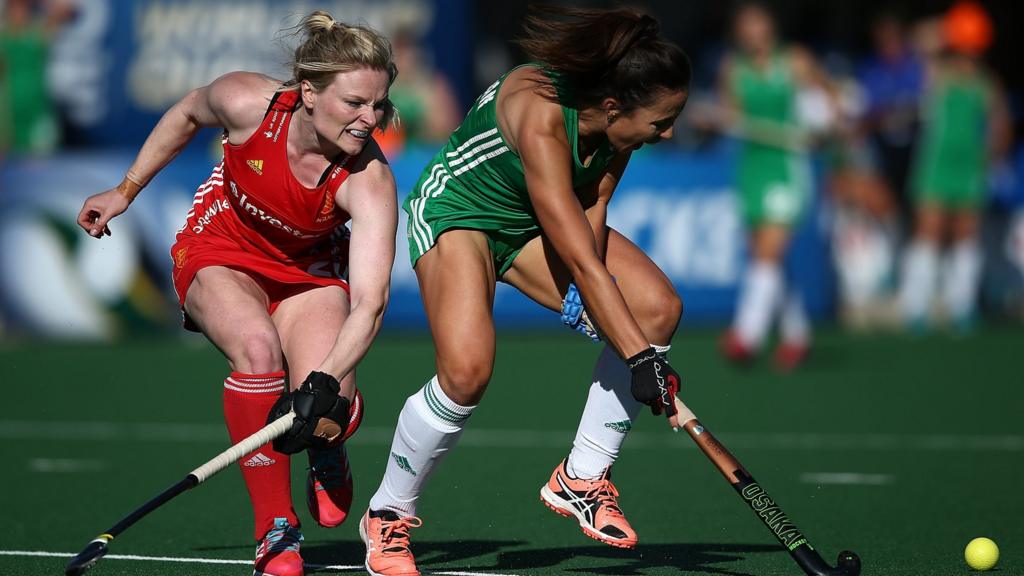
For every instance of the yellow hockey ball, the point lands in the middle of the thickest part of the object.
(981, 554)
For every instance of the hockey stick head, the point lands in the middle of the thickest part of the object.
(848, 564)
(88, 557)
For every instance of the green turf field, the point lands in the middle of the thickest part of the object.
(902, 449)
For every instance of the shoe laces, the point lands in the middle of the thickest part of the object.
(395, 534)
(605, 493)
(282, 538)
(326, 466)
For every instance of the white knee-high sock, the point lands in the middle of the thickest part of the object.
(607, 417)
(917, 286)
(960, 282)
(759, 298)
(428, 426)
(794, 326)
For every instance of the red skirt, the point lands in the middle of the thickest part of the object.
(279, 280)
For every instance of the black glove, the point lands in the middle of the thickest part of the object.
(320, 414)
(654, 383)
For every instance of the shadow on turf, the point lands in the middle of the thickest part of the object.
(512, 555)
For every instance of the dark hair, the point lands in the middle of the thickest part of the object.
(616, 53)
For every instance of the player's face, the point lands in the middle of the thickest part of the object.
(755, 31)
(347, 111)
(648, 124)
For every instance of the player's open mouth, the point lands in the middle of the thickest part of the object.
(360, 134)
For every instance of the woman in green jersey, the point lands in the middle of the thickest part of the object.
(519, 194)
(965, 124)
(759, 83)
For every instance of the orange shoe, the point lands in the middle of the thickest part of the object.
(329, 485)
(735, 350)
(593, 503)
(386, 536)
(277, 554)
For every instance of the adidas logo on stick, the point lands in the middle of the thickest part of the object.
(258, 460)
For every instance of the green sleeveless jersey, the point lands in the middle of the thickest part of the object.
(951, 161)
(773, 182)
(476, 181)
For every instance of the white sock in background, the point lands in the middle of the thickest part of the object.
(794, 326)
(960, 281)
(428, 426)
(759, 297)
(917, 285)
(607, 417)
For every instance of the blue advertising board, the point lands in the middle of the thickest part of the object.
(678, 207)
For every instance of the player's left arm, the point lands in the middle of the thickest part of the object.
(369, 196)
(597, 212)
(595, 200)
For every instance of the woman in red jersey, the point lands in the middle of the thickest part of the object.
(259, 264)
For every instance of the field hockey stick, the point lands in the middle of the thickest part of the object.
(95, 550)
(763, 506)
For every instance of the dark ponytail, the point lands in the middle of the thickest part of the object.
(617, 53)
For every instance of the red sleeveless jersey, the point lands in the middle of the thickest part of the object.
(252, 215)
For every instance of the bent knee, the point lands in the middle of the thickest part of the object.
(465, 381)
(659, 315)
(257, 353)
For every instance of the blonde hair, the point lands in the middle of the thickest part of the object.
(330, 46)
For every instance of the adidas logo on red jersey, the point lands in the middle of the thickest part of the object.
(256, 165)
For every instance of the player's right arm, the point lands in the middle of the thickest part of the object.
(235, 101)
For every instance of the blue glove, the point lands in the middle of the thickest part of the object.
(574, 314)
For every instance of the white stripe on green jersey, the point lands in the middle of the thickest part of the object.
(476, 181)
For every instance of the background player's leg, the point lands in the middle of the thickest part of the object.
(231, 309)
(920, 266)
(308, 323)
(456, 280)
(610, 408)
(761, 291)
(963, 269)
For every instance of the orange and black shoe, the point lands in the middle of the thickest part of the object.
(386, 536)
(277, 554)
(329, 485)
(593, 503)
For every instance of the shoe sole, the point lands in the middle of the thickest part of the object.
(552, 501)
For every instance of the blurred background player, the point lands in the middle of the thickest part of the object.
(965, 126)
(759, 83)
(893, 81)
(259, 264)
(28, 119)
(519, 194)
(425, 98)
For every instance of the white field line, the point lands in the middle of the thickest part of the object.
(332, 567)
(527, 438)
(847, 478)
(64, 465)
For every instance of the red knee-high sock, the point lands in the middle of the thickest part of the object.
(267, 472)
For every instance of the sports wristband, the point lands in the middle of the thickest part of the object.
(128, 187)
